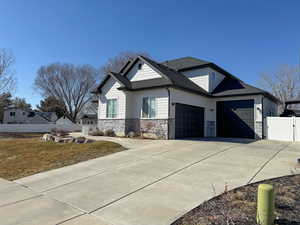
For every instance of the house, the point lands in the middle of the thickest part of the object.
(181, 98)
(89, 119)
(14, 115)
(289, 112)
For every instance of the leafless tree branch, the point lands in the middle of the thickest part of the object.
(7, 80)
(69, 84)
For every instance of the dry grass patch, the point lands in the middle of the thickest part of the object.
(27, 155)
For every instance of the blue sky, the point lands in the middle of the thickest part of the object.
(244, 37)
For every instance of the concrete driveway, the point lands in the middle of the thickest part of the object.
(153, 183)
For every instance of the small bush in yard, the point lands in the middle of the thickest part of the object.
(97, 133)
(110, 133)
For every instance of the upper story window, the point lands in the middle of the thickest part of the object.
(12, 113)
(149, 107)
(140, 66)
(112, 108)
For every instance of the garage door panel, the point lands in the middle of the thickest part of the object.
(189, 121)
(235, 119)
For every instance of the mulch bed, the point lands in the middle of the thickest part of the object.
(238, 207)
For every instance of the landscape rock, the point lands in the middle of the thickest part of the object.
(68, 140)
(131, 134)
(80, 140)
(88, 141)
(58, 140)
(47, 137)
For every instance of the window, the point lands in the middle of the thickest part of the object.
(111, 109)
(149, 107)
(140, 66)
(12, 113)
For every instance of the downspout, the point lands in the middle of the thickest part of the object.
(169, 107)
(263, 119)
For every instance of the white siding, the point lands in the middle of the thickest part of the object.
(145, 73)
(135, 102)
(204, 78)
(110, 91)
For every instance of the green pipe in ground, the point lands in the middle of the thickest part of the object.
(265, 205)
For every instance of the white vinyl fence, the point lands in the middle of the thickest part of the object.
(37, 128)
(283, 128)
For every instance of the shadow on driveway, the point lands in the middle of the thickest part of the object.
(221, 139)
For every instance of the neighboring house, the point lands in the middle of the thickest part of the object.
(89, 119)
(291, 111)
(13, 115)
(181, 98)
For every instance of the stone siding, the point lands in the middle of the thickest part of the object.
(117, 125)
(154, 128)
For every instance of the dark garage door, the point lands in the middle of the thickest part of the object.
(235, 119)
(189, 121)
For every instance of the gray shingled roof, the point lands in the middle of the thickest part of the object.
(233, 87)
(171, 77)
(184, 63)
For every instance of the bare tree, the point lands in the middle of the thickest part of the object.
(21, 103)
(115, 63)
(69, 84)
(7, 80)
(284, 83)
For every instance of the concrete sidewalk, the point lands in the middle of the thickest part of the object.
(154, 182)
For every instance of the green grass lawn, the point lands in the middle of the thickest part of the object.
(24, 155)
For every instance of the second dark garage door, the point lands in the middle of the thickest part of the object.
(189, 121)
(235, 119)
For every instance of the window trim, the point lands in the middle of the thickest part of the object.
(112, 116)
(148, 116)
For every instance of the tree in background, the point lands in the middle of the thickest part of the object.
(51, 104)
(21, 103)
(69, 84)
(7, 80)
(115, 63)
(284, 83)
(5, 101)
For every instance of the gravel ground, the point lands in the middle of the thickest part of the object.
(238, 207)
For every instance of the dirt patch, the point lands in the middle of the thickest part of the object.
(24, 156)
(238, 207)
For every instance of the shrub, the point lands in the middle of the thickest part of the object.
(110, 133)
(97, 133)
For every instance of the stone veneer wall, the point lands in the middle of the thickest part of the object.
(154, 128)
(117, 125)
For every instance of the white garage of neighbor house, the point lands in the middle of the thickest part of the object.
(180, 98)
